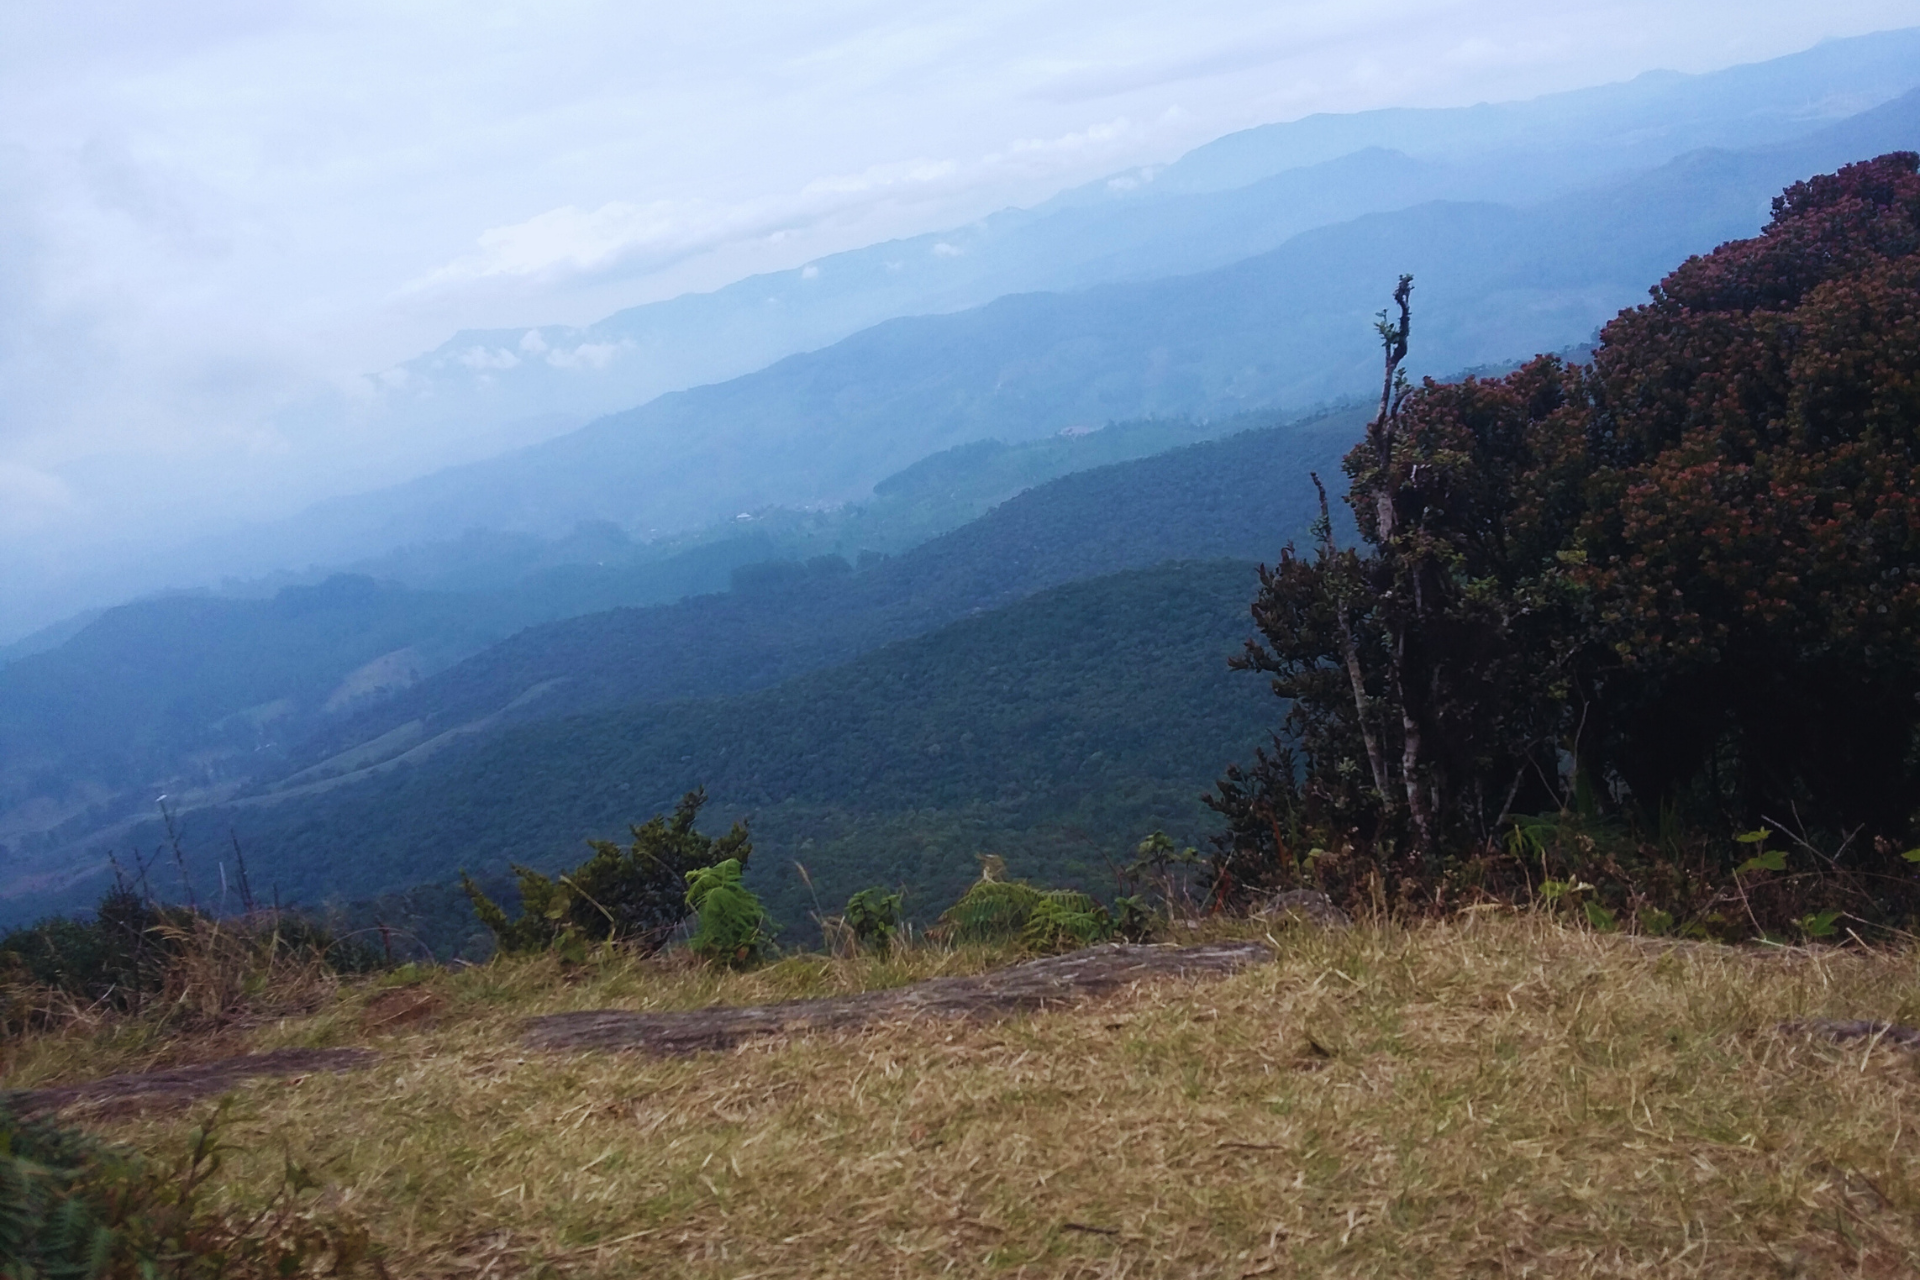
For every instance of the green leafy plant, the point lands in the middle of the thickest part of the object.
(1133, 919)
(1062, 920)
(1165, 869)
(1764, 859)
(873, 917)
(1821, 924)
(733, 924)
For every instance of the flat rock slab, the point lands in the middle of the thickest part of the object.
(1020, 988)
(1842, 1030)
(177, 1086)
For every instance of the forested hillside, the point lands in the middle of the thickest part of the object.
(194, 696)
(1241, 497)
(192, 691)
(1056, 731)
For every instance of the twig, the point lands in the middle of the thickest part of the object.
(179, 855)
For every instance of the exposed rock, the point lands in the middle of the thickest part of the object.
(176, 1086)
(1841, 1030)
(1307, 906)
(1036, 984)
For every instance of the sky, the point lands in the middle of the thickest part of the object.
(217, 214)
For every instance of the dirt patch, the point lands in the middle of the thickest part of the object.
(177, 1086)
(1020, 988)
(400, 1007)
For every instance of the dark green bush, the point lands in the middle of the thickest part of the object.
(873, 916)
(636, 895)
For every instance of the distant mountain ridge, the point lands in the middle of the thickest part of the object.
(194, 694)
(1290, 327)
(1058, 729)
(1238, 196)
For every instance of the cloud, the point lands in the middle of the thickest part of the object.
(588, 355)
(31, 500)
(569, 241)
(623, 238)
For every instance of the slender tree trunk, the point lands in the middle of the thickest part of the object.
(1410, 763)
(1362, 704)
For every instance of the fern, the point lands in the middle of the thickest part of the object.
(1047, 920)
(991, 911)
(733, 924)
(1065, 921)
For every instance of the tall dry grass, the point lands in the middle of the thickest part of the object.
(1489, 1096)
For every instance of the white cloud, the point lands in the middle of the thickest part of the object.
(31, 500)
(588, 355)
(567, 240)
(481, 359)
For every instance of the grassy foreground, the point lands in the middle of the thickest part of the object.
(1495, 1095)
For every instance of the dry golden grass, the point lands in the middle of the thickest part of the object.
(1490, 1096)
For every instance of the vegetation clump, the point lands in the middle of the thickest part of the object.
(997, 910)
(873, 918)
(75, 1208)
(732, 926)
(134, 955)
(636, 896)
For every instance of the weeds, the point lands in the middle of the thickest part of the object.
(75, 1208)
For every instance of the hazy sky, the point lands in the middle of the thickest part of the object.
(210, 211)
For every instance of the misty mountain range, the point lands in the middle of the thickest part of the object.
(1288, 327)
(904, 443)
(1231, 199)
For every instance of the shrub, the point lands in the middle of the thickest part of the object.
(873, 917)
(1062, 920)
(135, 952)
(636, 895)
(1684, 580)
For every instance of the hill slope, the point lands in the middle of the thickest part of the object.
(195, 696)
(1242, 497)
(1058, 730)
